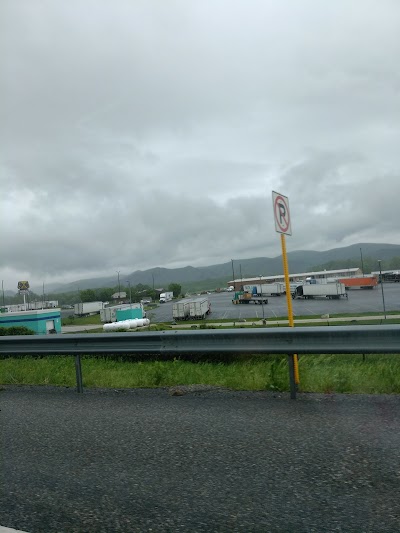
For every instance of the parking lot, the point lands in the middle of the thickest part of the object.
(358, 301)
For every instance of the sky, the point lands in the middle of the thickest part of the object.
(146, 133)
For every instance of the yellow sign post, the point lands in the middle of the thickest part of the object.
(284, 227)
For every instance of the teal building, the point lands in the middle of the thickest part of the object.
(41, 321)
(129, 313)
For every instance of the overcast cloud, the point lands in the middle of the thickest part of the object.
(136, 134)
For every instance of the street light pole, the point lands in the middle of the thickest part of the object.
(383, 294)
(233, 274)
(262, 300)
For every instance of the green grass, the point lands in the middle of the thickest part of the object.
(81, 320)
(324, 373)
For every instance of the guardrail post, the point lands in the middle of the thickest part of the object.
(292, 380)
(78, 370)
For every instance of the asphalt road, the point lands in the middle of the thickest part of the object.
(358, 301)
(206, 461)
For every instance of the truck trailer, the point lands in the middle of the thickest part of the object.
(110, 314)
(166, 297)
(88, 308)
(363, 282)
(181, 310)
(199, 308)
(332, 291)
(266, 289)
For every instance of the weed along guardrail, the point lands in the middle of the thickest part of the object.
(312, 340)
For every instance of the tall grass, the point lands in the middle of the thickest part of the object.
(323, 373)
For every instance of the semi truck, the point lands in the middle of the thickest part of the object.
(181, 310)
(166, 297)
(248, 297)
(266, 289)
(110, 314)
(332, 291)
(199, 308)
(88, 308)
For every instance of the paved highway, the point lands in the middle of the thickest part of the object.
(204, 461)
(358, 301)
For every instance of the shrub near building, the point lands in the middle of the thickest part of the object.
(16, 330)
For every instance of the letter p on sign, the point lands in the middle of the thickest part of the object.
(281, 213)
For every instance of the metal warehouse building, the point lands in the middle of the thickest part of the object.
(323, 274)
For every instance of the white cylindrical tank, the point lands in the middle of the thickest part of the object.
(132, 324)
(108, 327)
(122, 324)
(140, 322)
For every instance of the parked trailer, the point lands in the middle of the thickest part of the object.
(88, 308)
(332, 291)
(266, 289)
(181, 310)
(367, 282)
(247, 298)
(109, 314)
(199, 308)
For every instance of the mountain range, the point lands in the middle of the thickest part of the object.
(299, 261)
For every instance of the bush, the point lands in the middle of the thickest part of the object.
(16, 330)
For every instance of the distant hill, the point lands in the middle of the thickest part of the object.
(219, 275)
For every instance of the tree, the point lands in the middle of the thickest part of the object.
(105, 294)
(175, 288)
(87, 295)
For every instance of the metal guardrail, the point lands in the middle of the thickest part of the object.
(307, 340)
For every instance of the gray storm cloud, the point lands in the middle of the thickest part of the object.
(142, 134)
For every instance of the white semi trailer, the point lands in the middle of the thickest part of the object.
(266, 289)
(332, 291)
(88, 308)
(181, 309)
(166, 297)
(109, 314)
(199, 308)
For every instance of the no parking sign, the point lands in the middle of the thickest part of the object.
(281, 213)
(283, 225)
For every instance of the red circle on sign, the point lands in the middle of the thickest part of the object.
(278, 215)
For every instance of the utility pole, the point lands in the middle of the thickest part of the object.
(130, 292)
(383, 294)
(119, 285)
(233, 274)
(362, 263)
(2, 290)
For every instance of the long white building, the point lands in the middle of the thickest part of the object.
(300, 276)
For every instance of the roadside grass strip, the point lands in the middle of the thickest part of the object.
(372, 374)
